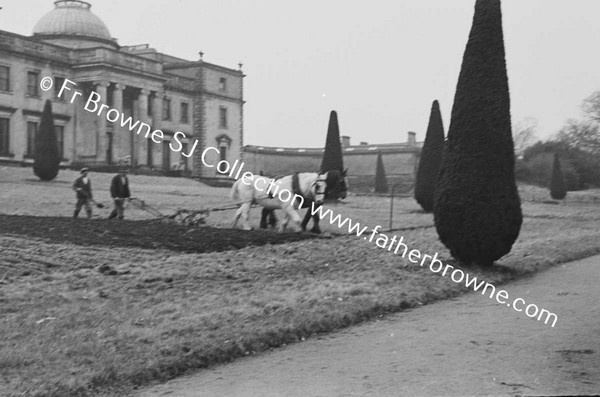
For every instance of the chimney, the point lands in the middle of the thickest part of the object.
(412, 138)
(345, 141)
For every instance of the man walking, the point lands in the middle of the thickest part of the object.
(119, 191)
(83, 187)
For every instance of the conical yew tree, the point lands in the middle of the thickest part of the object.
(558, 190)
(46, 157)
(381, 185)
(477, 208)
(431, 157)
(332, 157)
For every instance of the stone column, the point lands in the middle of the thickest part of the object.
(78, 133)
(141, 142)
(120, 138)
(102, 140)
(156, 124)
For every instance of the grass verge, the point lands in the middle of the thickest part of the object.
(71, 329)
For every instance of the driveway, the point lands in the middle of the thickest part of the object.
(469, 345)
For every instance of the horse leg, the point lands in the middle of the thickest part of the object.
(283, 223)
(291, 213)
(263, 218)
(272, 219)
(245, 211)
(236, 216)
(306, 219)
(315, 229)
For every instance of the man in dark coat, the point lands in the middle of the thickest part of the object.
(119, 191)
(83, 188)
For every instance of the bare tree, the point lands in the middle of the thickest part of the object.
(591, 107)
(524, 134)
(583, 135)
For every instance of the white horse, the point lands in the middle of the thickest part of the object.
(286, 193)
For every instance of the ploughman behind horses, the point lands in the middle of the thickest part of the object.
(288, 193)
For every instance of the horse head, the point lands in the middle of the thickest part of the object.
(337, 184)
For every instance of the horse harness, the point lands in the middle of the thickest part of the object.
(318, 187)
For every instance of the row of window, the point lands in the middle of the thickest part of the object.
(166, 111)
(32, 127)
(185, 113)
(32, 81)
(33, 90)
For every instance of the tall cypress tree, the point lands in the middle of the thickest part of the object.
(381, 184)
(477, 208)
(332, 157)
(558, 190)
(431, 158)
(46, 157)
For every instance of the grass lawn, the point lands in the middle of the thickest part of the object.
(71, 328)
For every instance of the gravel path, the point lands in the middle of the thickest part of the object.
(466, 346)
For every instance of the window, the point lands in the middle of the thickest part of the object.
(32, 83)
(149, 156)
(184, 159)
(58, 83)
(223, 117)
(31, 132)
(223, 155)
(110, 97)
(4, 136)
(59, 130)
(166, 155)
(166, 109)
(184, 112)
(222, 84)
(4, 78)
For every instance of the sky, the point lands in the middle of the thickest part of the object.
(379, 64)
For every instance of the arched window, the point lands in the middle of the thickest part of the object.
(223, 144)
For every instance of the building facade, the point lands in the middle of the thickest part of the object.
(400, 161)
(202, 100)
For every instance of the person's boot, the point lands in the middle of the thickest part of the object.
(89, 214)
(75, 214)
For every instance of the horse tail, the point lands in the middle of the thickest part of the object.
(234, 193)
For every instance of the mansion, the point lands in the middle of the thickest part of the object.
(202, 100)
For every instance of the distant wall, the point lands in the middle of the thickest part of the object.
(399, 164)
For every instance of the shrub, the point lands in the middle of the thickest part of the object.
(431, 157)
(558, 190)
(539, 170)
(381, 185)
(477, 209)
(580, 169)
(332, 156)
(46, 161)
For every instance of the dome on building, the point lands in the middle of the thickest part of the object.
(72, 18)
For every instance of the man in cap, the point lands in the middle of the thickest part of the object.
(83, 188)
(119, 191)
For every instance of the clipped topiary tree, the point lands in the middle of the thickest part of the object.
(381, 184)
(477, 208)
(46, 157)
(332, 157)
(558, 190)
(431, 158)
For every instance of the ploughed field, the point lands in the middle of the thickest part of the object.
(99, 307)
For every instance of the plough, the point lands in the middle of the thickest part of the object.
(181, 216)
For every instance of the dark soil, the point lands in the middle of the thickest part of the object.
(151, 234)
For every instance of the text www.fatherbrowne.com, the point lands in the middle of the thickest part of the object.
(435, 265)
